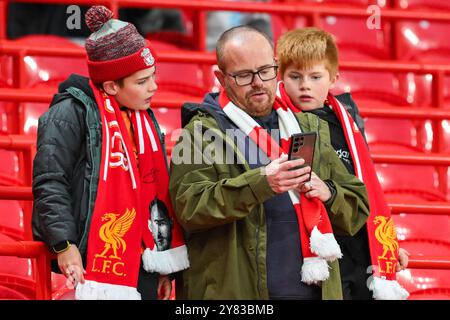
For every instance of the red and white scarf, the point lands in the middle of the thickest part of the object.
(380, 226)
(316, 236)
(119, 228)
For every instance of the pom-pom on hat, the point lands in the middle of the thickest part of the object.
(115, 49)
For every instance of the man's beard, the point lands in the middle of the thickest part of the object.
(258, 109)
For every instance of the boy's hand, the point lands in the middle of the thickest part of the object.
(281, 179)
(403, 258)
(164, 287)
(316, 188)
(71, 266)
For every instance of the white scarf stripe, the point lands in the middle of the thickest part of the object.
(140, 133)
(351, 137)
(294, 197)
(105, 168)
(109, 108)
(150, 135)
(278, 93)
(240, 118)
(288, 124)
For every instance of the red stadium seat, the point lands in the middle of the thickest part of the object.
(59, 289)
(426, 283)
(425, 4)
(400, 181)
(447, 92)
(51, 70)
(9, 170)
(417, 89)
(42, 72)
(63, 293)
(14, 265)
(11, 294)
(8, 117)
(58, 281)
(32, 112)
(431, 294)
(426, 227)
(424, 41)
(387, 135)
(389, 89)
(361, 43)
(359, 3)
(280, 25)
(17, 273)
(186, 78)
(169, 121)
(11, 219)
(6, 71)
(23, 285)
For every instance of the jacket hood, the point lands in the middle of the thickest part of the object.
(74, 80)
(209, 105)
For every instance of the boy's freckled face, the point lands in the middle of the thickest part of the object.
(308, 89)
(137, 89)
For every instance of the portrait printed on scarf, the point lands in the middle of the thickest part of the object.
(160, 224)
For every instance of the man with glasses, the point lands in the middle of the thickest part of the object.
(230, 188)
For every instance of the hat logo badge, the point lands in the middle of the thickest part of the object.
(147, 57)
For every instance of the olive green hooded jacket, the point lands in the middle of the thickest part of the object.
(220, 207)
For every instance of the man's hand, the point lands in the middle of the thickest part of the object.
(71, 266)
(316, 188)
(164, 287)
(281, 179)
(403, 258)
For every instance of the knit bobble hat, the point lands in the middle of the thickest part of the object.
(115, 49)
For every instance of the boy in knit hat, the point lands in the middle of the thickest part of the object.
(308, 60)
(100, 163)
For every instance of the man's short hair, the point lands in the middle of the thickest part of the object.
(305, 47)
(232, 33)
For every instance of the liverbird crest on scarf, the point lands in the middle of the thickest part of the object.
(131, 189)
(316, 236)
(380, 226)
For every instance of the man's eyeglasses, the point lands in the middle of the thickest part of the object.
(247, 77)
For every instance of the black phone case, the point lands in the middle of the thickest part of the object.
(302, 146)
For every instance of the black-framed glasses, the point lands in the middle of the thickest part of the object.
(245, 78)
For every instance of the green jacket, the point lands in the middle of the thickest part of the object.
(220, 207)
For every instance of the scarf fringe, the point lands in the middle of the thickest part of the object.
(384, 289)
(167, 261)
(325, 245)
(314, 270)
(93, 290)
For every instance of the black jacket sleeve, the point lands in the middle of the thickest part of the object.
(60, 140)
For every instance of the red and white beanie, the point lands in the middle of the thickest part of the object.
(115, 49)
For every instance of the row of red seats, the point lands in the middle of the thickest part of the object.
(404, 4)
(423, 41)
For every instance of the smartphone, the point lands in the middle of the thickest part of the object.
(302, 146)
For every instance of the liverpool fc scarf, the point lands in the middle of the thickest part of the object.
(316, 236)
(132, 190)
(380, 226)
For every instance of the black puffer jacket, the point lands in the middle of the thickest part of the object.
(67, 165)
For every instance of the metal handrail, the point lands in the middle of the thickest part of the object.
(14, 47)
